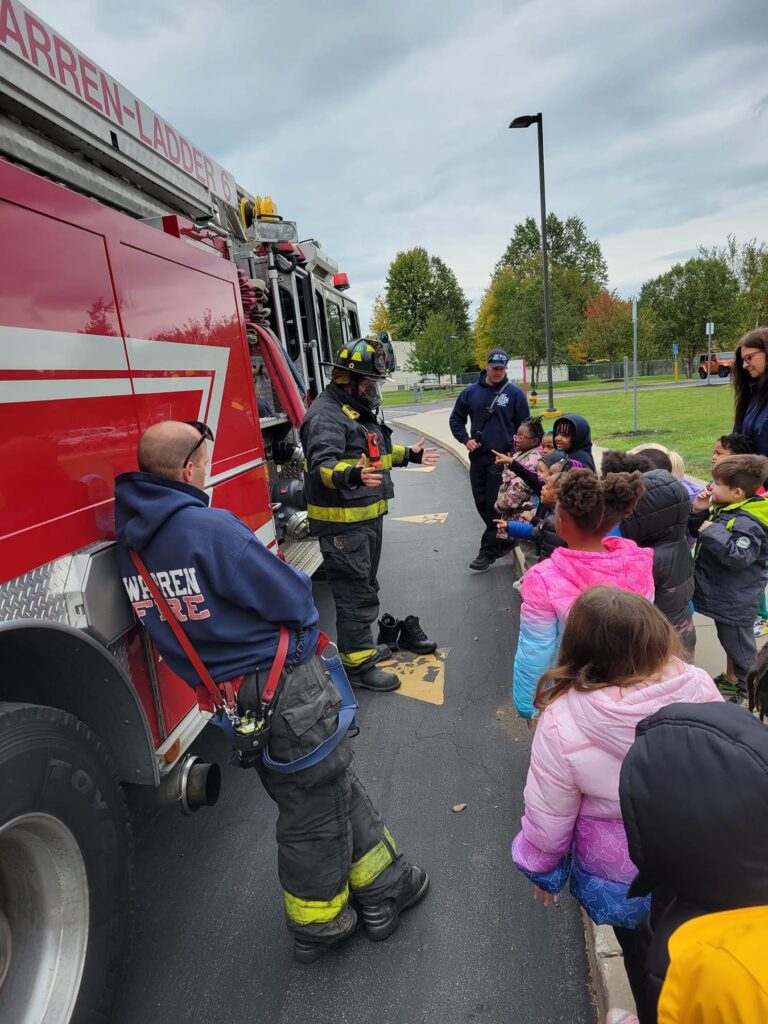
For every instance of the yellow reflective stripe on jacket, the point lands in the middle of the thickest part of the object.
(352, 514)
(326, 472)
(366, 870)
(314, 911)
(350, 413)
(399, 453)
(385, 459)
(356, 658)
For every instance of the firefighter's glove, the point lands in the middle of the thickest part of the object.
(417, 453)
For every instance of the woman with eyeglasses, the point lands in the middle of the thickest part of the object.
(750, 384)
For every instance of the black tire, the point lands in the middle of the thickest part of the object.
(702, 374)
(723, 371)
(55, 774)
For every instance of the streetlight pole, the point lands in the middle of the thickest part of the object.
(525, 121)
(451, 337)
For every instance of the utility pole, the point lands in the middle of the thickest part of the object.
(525, 121)
(710, 329)
(451, 337)
(634, 360)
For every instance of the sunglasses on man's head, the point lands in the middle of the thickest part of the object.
(206, 434)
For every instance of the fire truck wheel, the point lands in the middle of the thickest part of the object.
(65, 870)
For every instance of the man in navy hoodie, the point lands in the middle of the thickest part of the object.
(495, 408)
(231, 596)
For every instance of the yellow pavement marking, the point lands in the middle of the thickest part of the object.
(421, 469)
(422, 676)
(430, 518)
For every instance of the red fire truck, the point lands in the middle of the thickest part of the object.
(138, 282)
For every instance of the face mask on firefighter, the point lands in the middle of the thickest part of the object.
(369, 392)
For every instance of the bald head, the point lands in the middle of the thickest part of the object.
(164, 447)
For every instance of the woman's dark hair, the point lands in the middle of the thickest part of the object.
(611, 638)
(534, 425)
(742, 382)
(737, 444)
(594, 504)
(624, 462)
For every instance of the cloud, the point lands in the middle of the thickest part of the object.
(379, 127)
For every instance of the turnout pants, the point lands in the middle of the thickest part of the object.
(351, 560)
(331, 839)
(485, 480)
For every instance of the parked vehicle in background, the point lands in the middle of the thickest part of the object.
(721, 363)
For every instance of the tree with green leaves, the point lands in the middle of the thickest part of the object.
(440, 349)
(568, 246)
(419, 285)
(511, 315)
(688, 295)
(748, 262)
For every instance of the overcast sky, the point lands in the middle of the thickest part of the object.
(381, 126)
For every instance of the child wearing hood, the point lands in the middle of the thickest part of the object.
(573, 435)
(620, 661)
(693, 791)
(586, 509)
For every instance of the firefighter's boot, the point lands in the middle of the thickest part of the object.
(381, 919)
(374, 678)
(311, 947)
(413, 638)
(389, 628)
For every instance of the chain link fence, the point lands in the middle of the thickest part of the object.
(606, 371)
(615, 371)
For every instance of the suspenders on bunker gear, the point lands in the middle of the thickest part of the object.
(251, 729)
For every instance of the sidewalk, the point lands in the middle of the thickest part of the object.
(605, 957)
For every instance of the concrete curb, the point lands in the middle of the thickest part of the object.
(606, 965)
(603, 952)
(449, 444)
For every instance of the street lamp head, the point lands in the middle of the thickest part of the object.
(525, 121)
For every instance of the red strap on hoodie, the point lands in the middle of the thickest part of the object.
(218, 697)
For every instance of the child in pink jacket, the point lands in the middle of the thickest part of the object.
(620, 661)
(586, 509)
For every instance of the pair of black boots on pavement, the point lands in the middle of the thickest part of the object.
(380, 921)
(405, 634)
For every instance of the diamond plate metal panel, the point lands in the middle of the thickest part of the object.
(39, 594)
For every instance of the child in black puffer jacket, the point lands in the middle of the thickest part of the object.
(660, 522)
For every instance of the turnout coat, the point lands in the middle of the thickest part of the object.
(335, 433)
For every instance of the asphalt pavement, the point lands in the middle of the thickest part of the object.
(210, 943)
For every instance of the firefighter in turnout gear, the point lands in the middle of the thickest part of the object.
(332, 842)
(349, 455)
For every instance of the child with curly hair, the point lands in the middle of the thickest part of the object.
(515, 496)
(586, 509)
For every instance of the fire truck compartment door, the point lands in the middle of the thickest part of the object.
(95, 596)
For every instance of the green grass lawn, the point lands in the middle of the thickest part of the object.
(688, 420)
(583, 385)
(432, 395)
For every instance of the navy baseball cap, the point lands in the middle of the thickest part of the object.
(498, 357)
